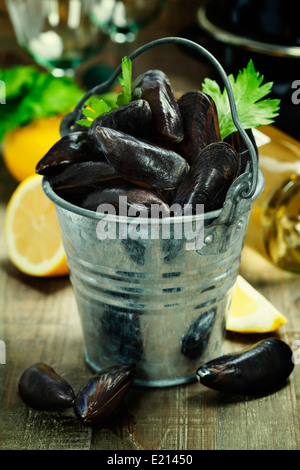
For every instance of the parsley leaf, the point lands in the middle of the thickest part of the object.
(95, 106)
(125, 80)
(17, 79)
(248, 92)
(31, 94)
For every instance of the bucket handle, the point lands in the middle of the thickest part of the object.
(70, 119)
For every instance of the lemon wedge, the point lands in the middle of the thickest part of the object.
(251, 312)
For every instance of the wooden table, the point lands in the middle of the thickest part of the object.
(39, 322)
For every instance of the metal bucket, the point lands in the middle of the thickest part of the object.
(155, 301)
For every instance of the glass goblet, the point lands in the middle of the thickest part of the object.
(122, 19)
(58, 34)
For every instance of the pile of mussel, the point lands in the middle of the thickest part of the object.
(254, 371)
(155, 150)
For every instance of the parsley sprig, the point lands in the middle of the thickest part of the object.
(97, 105)
(31, 94)
(248, 92)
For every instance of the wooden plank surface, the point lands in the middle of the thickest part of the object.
(39, 322)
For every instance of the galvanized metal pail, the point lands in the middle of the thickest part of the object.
(157, 301)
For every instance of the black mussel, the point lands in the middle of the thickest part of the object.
(154, 87)
(83, 174)
(103, 393)
(140, 162)
(194, 342)
(75, 195)
(128, 200)
(256, 370)
(167, 195)
(134, 118)
(210, 176)
(43, 389)
(70, 149)
(241, 148)
(200, 124)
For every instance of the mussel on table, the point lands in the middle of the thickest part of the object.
(209, 178)
(103, 393)
(154, 87)
(44, 389)
(140, 162)
(200, 124)
(72, 148)
(256, 370)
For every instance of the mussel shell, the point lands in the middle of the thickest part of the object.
(210, 175)
(103, 393)
(77, 194)
(72, 148)
(200, 124)
(154, 87)
(167, 195)
(42, 388)
(140, 162)
(83, 174)
(255, 370)
(241, 148)
(139, 201)
(134, 118)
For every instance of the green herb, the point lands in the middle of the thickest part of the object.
(96, 106)
(248, 92)
(125, 80)
(17, 79)
(31, 94)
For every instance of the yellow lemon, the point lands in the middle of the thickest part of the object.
(24, 146)
(251, 312)
(32, 232)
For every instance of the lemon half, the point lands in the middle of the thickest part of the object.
(32, 232)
